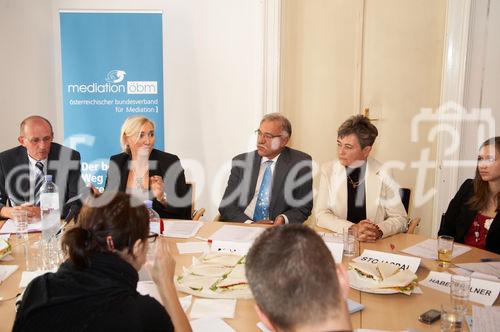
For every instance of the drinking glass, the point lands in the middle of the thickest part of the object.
(460, 290)
(445, 249)
(349, 242)
(20, 218)
(452, 318)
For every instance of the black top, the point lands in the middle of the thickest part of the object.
(458, 218)
(164, 164)
(102, 297)
(356, 194)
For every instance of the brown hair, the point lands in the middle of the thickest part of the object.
(479, 200)
(292, 276)
(360, 126)
(124, 219)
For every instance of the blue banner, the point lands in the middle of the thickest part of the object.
(112, 68)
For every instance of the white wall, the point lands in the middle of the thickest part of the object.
(26, 64)
(213, 69)
(482, 80)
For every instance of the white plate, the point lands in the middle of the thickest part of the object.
(366, 285)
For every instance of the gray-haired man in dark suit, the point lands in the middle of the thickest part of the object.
(272, 184)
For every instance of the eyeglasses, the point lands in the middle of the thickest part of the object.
(152, 237)
(267, 136)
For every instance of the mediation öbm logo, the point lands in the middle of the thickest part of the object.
(112, 78)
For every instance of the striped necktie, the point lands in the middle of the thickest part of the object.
(262, 206)
(38, 181)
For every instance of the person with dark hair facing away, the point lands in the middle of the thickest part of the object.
(472, 216)
(356, 191)
(295, 282)
(95, 289)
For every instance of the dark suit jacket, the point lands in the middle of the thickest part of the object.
(458, 219)
(63, 164)
(169, 167)
(291, 165)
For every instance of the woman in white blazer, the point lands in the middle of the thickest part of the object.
(357, 187)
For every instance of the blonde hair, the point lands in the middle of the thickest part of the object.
(132, 127)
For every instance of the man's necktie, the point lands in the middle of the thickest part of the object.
(38, 181)
(263, 198)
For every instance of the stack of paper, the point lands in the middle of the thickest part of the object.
(428, 249)
(10, 227)
(6, 271)
(27, 276)
(183, 229)
(485, 319)
(210, 324)
(222, 308)
(192, 247)
(236, 233)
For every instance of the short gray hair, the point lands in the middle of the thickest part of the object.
(286, 126)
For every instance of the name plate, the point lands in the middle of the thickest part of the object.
(336, 249)
(481, 291)
(403, 262)
(231, 247)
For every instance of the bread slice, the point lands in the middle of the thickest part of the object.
(366, 270)
(386, 270)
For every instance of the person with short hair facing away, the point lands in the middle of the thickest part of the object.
(356, 191)
(148, 173)
(95, 289)
(472, 216)
(23, 169)
(296, 284)
(273, 184)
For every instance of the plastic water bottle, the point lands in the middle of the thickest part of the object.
(49, 206)
(154, 225)
(154, 217)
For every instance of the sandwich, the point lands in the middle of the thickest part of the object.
(386, 270)
(196, 283)
(235, 280)
(5, 248)
(385, 276)
(404, 281)
(218, 258)
(366, 271)
(208, 270)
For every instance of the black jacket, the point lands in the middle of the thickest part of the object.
(168, 166)
(459, 217)
(102, 297)
(291, 165)
(63, 164)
